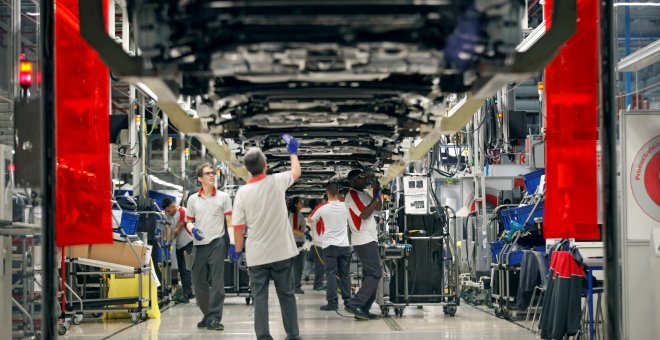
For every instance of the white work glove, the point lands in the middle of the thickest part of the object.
(307, 245)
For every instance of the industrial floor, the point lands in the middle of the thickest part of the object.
(179, 322)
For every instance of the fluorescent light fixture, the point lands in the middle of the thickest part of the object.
(637, 4)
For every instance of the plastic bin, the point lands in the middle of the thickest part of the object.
(129, 222)
(532, 180)
(520, 214)
(495, 249)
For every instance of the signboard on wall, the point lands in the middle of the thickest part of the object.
(641, 173)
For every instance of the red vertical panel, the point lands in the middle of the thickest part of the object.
(82, 213)
(571, 83)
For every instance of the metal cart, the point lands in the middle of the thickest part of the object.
(441, 285)
(237, 280)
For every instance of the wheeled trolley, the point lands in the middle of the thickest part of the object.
(237, 280)
(423, 272)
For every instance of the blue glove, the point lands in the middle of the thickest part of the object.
(377, 193)
(234, 256)
(197, 234)
(291, 144)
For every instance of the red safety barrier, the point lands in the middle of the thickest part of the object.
(82, 131)
(571, 83)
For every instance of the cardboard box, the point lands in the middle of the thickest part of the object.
(79, 251)
(121, 253)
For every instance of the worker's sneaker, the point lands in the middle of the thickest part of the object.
(328, 307)
(371, 315)
(203, 323)
(358, 313)
(299, 291)
(215, 325)
(319, 288)
(181, 299)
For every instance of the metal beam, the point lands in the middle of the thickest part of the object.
(642, 58)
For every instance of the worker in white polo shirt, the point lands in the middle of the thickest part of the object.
(260, 206)
(209, 208)
(176, 218)
(331, 221)
(362, 209)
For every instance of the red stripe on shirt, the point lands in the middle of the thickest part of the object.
(358, 202)
(228, 213)
(239, 226)
(357, 221)
(295, 222)
(182, 214)
(316, 209)
(320, 226)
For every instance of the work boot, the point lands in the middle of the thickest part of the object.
(215, 325)
(300, 291)
(320, 288)
(203, 323)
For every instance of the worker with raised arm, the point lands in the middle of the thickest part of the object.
(260, 209)
(208, 209)
(362, 209)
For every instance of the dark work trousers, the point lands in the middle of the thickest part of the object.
(371, 274)
(280, 272)
(208, 273)
(298, 268)
(184, 273)
(337, 264)
(317, 255)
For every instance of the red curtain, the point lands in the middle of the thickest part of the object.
(82, 131)
(571, 83)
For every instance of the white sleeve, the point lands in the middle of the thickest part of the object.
(238, 214)
(226, 205)
(283, 180)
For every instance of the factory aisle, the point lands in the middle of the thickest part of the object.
(179, 322)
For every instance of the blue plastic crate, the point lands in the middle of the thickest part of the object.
(495, 249)
(520, 214)
(129, 222)
(532, 180)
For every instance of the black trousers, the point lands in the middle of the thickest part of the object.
(337, 264)
(184, 272)
(370, 261)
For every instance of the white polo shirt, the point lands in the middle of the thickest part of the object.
(331, 222)
(298, 222)
(185, 236)
(362, 231)
(260, 206)
(209, 214)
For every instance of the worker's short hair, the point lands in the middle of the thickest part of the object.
(166, 202)
(200, 169)
(332, 188)
(254, 161)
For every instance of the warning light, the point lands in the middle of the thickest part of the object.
(169, 143)
(187, 153)
(540, 86)
(500, 115)
(25, 73)
(11, 167)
